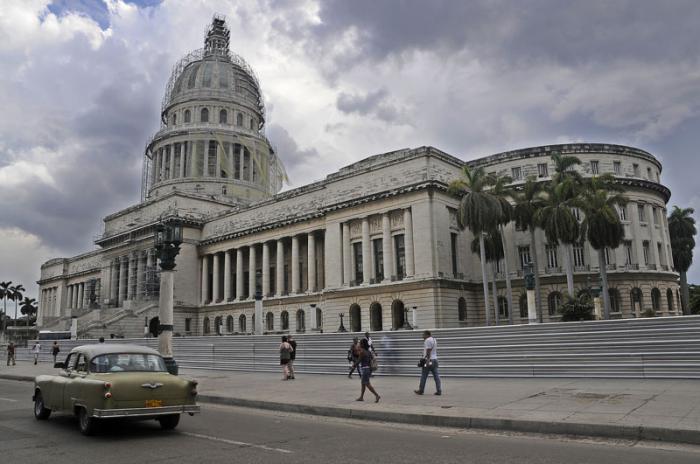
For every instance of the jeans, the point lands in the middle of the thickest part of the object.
(424, 376)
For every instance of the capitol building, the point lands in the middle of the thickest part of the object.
(376, 242)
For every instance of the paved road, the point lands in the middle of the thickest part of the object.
(224, 434)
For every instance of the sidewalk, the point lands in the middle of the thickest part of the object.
(666, 410)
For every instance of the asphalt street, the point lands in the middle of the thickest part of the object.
(227, 434)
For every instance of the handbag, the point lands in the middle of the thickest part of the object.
(373, 363)
(422, 362)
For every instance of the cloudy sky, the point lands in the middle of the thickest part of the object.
(81, 83)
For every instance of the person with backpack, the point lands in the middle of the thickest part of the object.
(365, 364)
(285, 355)
(55, 349)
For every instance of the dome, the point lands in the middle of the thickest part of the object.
(214, 72)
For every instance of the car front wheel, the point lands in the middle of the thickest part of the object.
(88, 424)
(40, 412)
(169, 422)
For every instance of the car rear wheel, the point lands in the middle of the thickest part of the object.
(169, 422)
(88, 425)
(40, 412)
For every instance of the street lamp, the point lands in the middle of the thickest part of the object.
(258, 303)
(342, 327)
(529, 276)
(406, 325)
(168, 238)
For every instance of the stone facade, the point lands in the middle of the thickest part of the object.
(376, 241)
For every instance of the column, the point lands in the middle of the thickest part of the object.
(653, 236)
(150, 258)
(408, 241)
(217, 172)
(140, 273)
(251, 271)
(81, 295)
(163, 159)
(172, 161)
(311, 248)
(75, 297)
(280, 268)
(239, 273)
(295, 265)
(205, 279)
(215, 297)
(123, 282)
(266, 269)
(366, 250)
(70, 296)
(154, 172)
(183, 145)
(240, 163)
(347, 259)
(387, 249)
(114, 285)
(227, 275)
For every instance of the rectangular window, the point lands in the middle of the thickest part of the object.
(400, 253)
(642, 213)
(654, 216)
(286, 279)
(524, 254)
(622, 211)
(628, 252)
(542, 170)
(579, 258)
(453, 253)
(176, 154)
(357, 253)
(660, 249)
(552, 260)
(649, 174)
(377, 246)
(166, 162)
(188, 324)
(594, 167)
(211, 159)
(608, 255)
(186, 159)
(516, 173)
(200, 159)
(617, 168)
(635, 169)
(645, 246)
(236, 162)
(273, 280)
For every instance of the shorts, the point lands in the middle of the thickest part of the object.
(284, 361)
(365, 372)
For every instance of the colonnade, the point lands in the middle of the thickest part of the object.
(128, 276)
(49, 306)
(76, 296)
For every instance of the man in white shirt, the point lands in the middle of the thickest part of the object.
(36, 349)
(431, 364)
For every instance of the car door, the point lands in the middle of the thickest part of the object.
(54, 398)
(73, 394)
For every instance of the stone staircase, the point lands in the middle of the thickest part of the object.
(122, 323)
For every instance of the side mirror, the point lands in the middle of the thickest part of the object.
(59, 365)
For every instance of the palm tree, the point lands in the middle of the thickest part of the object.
(479, 211)
(28, 307)
(556, 216)
(681, 228)
(528, 200)
(493, 245)
(601, 226)
(503, 193)
(4, 293)
(17, 296)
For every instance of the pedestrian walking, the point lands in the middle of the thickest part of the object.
(292, 357)
(11, 354)
(365, 369)
(36, 349)
(55, 349)
(429, 363)
(354, 357)
(370, 342)
(285, 356)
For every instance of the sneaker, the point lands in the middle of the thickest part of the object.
(417, 392)
(438, 393)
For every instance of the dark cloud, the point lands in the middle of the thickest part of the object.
(287, 148)
(371, 104)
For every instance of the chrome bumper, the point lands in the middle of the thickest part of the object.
(146, 412)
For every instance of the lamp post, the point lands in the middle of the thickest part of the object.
(406, 325)
(168, 239)
(258, 304)
(342, 327)
(414, 312)
(529, 276)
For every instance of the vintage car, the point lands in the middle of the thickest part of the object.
(114, 381)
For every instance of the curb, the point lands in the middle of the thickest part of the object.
(626, 432)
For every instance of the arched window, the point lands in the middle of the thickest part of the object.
(503, 307)
(397, 314)
(270, 322)
(375, 317)
(319, 318)
(522, 304)
(301, 320)
(614, 300)
(223, 117)
(174, 119)
(355, 318)
(242, 323)
(656, 299)
(636, 300)
(188, 116)
(462, 309)
(669, 300)
(206, 328)
(229, 324)
(204, 115)
(284, 319)
(218, 325)
(239, 119)
(553, 303)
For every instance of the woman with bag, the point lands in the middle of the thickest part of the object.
(285, 355)
(354, 356)
(365, 370)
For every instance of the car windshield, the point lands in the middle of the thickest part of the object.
(127, 362)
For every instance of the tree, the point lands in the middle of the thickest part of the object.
(493, 246)
(528, 201)
(28, 307)
(556, 216)
(579, 308)
(16, 296)
(479, 211)
(4, 294)
(599, 200)
(503, 193)
(681, 229)
(694, 302)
